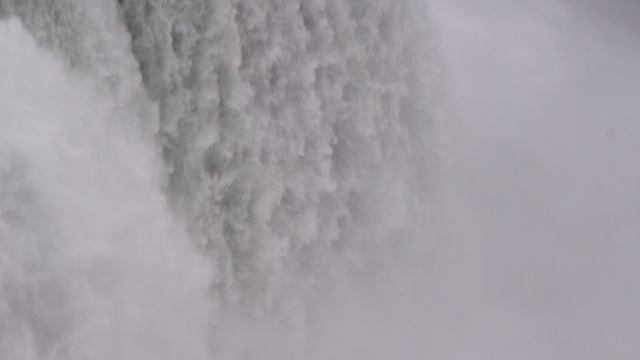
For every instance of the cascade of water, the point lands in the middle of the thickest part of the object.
(162, 160)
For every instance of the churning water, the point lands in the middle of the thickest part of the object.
(191, 179)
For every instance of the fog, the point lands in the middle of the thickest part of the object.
(543, 178)
(180, 181)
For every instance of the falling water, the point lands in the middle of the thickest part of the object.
(172, 171)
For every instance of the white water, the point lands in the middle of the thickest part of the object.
(223, 179)
(257, 180)
(232, 179)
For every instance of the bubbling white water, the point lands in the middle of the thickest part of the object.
(210, 178)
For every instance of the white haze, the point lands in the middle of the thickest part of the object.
(543, 159)
(91, 265)
(168, 182)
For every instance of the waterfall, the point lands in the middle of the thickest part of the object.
(166, 164)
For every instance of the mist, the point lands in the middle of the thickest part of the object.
(542, 177)
(333, 179)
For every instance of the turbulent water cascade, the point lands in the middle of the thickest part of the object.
(280, 120)
(164, 161)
